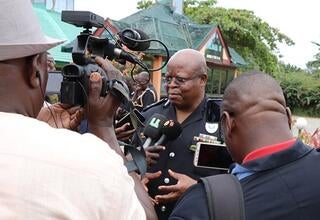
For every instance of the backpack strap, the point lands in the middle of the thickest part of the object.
(225, 197)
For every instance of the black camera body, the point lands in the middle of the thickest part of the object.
(75, 84)
(84, 19)
(74, 87)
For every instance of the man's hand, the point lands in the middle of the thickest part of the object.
(111, 71)
(152, 154)
(101, 110)
(64, 116)
(175, 191)
(146, 179)
(149, 176)
(123, 133)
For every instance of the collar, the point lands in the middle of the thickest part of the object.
(267, 150)
(196, 115)
(241, 172)
(278, 158)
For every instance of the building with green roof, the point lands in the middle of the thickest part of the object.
(52, 26)
(177, 32)
(160, 22)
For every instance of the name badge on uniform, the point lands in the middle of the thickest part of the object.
(211, 127)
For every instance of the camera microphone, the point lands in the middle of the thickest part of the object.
(153, 129)
(134, 39)
(121, 54)
(170, 131)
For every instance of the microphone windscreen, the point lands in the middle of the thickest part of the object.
(171, 129)
(128, 37)
(154, 125)
(142, 46)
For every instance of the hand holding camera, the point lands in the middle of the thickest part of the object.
(100, 110)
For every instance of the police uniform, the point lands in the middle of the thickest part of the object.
(146, 98)
(177, 156)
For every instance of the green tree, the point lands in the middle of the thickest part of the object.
(143, 4)
(253, 38)
(314, 65)
(289, 68)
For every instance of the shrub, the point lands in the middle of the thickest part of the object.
(302, 91)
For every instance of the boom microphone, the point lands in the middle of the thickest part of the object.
(170, 131)
(128, 37)
(153, 129)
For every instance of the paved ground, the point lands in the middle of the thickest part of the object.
(313, 124)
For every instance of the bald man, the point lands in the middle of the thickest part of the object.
(278, 173)
(172, 171)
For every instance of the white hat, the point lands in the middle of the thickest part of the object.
(21, 34)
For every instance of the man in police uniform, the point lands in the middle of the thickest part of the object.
(174, 171)
(143, 95)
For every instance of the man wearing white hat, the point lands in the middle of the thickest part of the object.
(75, 176)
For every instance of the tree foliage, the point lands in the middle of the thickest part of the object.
(302, 92)
(143, 4)
(253, 38)
(314, 65)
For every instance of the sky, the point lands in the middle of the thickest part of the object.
(299, 20)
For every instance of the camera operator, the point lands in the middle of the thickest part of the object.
(74, 176)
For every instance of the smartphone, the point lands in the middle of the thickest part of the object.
(212, 156)
(127, 118)
(54, 82)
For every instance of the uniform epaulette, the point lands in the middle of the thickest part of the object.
(164, 101)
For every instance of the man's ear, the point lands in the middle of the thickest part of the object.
(228, 123)
(289, 115)
(204, 79)
(33, 71)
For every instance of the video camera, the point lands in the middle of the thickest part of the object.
(74, 87)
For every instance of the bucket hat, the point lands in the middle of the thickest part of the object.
(21, 34)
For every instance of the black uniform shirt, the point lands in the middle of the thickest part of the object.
(178, 157)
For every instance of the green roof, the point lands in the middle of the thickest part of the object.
(237, 58)
(52, 26)
(174, 30)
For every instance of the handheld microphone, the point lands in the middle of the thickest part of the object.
(170, 131)
(153, 129)
(132, 39)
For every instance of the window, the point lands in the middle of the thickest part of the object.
(214, 49)
(218, 79)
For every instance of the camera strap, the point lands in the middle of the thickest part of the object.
(119, 89)
(136, 122)
(138, 162)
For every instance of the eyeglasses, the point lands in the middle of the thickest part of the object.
(179, 80)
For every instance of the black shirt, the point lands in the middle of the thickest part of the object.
(178, 157)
